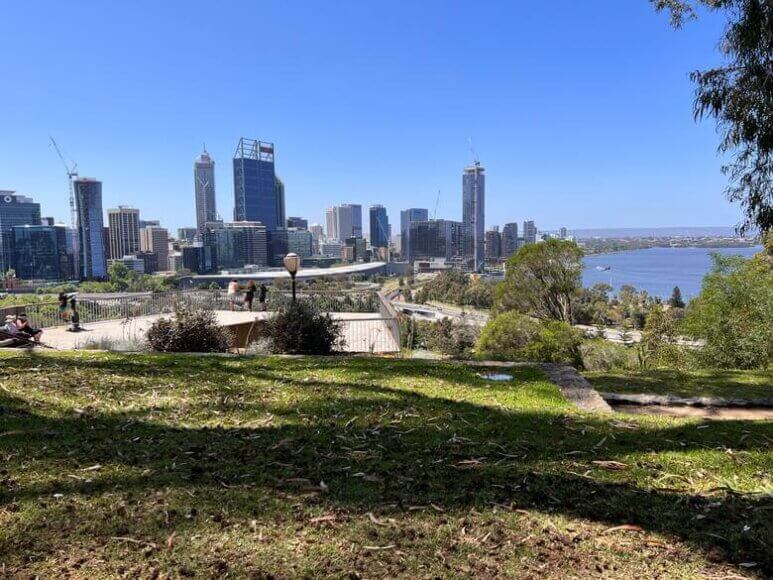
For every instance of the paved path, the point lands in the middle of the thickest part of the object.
(363, 331)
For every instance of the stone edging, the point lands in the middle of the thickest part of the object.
(672, 400)
(572, 384)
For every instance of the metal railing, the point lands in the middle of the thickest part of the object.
(379, 332)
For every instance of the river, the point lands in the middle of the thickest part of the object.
(657, 270)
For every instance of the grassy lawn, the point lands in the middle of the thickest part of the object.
(716, 383)
(181, 466)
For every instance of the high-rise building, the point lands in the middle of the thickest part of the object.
(379, 227)
(344, 221)
(331, 248)
(40, 252)
(493, 244)
(563, 233)
(436, 239)
(254, 242)
(200, 259)
(354, 250)
(15, 210)
(124, 224)
(290, 240)
(407, 216)
(187, 234)
(509, 239)
(331, 219)
(298, 223)
(91, 249)
(473, 211)
(529, 232)
(150, 262)
(204, 184)
(155, 239)
(146, 223)
(258, 193)
(317, 236)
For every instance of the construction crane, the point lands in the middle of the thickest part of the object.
(72, 171)
(437, 202)
(475, 157)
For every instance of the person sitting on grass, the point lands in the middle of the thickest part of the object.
(23, 326)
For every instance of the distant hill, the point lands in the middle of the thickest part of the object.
(686, 232)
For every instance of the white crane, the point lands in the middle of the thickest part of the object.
(72, 171)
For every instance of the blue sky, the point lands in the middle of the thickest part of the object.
(580, 111)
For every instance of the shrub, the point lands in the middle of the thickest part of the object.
(189, 331)
(733, 314)
(299, 329)
(515, 337)
(451, 337)
(602, 355)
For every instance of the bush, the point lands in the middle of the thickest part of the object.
(189, 331)
(515, 337)
(733, 314)
(602, 355)
(451, 337)
(299, 329)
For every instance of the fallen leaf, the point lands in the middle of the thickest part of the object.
(623, 528)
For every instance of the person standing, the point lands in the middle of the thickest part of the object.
(262, 297)
(249, 296)
(234, 294)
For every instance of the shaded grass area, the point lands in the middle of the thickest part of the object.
(729, 384)
(140, 465)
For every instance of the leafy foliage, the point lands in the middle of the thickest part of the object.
(733, 313)
(191, 330)
(512, 336)
(659, 346)
(603, 355)
(451, 337)
(298, 328)
(739, 95)
(457, 288)
(542, 280)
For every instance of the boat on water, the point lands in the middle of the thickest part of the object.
(603, 268)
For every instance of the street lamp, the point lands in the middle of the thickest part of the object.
(292, 264)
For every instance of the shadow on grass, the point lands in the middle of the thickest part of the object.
(373, 445)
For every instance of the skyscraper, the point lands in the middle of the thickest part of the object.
(124, 224)
(155, 240)
(258, 193)
(204, 183)
(344, 221)
(436, 239)
(331, 219)
(15, 210)
(509, 239)
(529, 232)
(473, 211)
(290, 240)
(91, 250)
(493, 244)
(379, 227)
(407, 216)
(40, 252)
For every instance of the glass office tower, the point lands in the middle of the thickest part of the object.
(91, 247)
(258, 193)
(40, 252)
(379, 227)
(473, 209)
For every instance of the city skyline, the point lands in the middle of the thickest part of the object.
(550, 158)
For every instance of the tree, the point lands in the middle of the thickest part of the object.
(676, 298)
(739, 95)
(542, 280)
(733, 313)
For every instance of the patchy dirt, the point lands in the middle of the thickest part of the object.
(732, 413)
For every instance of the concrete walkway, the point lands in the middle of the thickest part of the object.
(363, 331)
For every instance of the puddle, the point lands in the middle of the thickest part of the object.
(704, 412)
(496, 377)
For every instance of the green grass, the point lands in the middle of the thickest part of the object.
(705, 383)
(146, 465)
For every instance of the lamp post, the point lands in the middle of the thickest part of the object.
(292, 263)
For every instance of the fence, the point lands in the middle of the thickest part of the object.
(378, 332)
